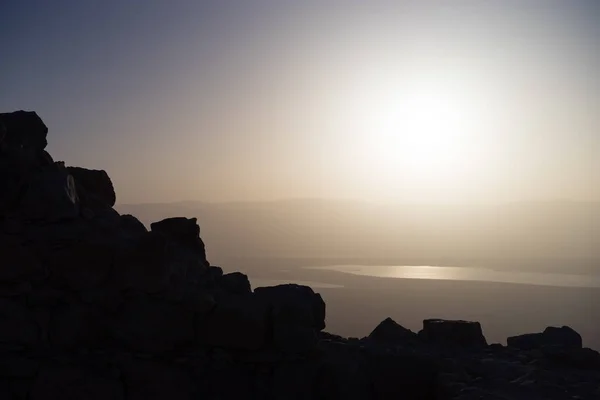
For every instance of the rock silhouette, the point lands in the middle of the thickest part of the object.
(453, 333)
(95, 306)
(389, 331)
(563, 337)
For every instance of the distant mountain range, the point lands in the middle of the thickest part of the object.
(560, 235)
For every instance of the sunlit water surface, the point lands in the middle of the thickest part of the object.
(273, 282)
(469, 274)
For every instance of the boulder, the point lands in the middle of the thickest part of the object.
(236, 283)
(23, 129)
(132, 225)
(153, 325)
(184, 231)
(452, 333)
(294, 303)
(17, 163)
(107, 221)
(16, 168)
(94, 187)
(297, 314)
(527, 341)
(22, 139)
(209, 277)
(563, 337)
(50, 196)
(237, 322)
(389, 331)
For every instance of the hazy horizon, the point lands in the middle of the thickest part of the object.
(408, 102)
(358, 200)
(551, 236)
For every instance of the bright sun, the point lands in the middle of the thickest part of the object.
(431, 127)
(425, 131)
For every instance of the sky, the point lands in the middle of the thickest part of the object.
(390, 101)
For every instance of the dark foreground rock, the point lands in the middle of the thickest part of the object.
(389, 331)
(94, 187)
(183, 231)
(563, 337)
(95, 306)
(453, 333)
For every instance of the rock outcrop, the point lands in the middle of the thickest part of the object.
(94, 188)
(563, 337)
(453, 333)
(389, 331)
(95, 306)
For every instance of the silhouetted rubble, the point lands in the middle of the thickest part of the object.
(452, 333)
(563, 337)
(389, 331)
(95, 306)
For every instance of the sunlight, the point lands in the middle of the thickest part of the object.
(426, 131)
(420, 135)
(423, 136)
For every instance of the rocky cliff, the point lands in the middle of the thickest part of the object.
(95, 306)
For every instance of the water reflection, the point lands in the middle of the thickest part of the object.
(274, 282)
(470, 274)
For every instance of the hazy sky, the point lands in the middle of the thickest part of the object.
(251, 100)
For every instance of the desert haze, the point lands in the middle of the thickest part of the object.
(281, 241)
(537, 236)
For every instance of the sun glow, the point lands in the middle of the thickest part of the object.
(422, 136)
(428, 131)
